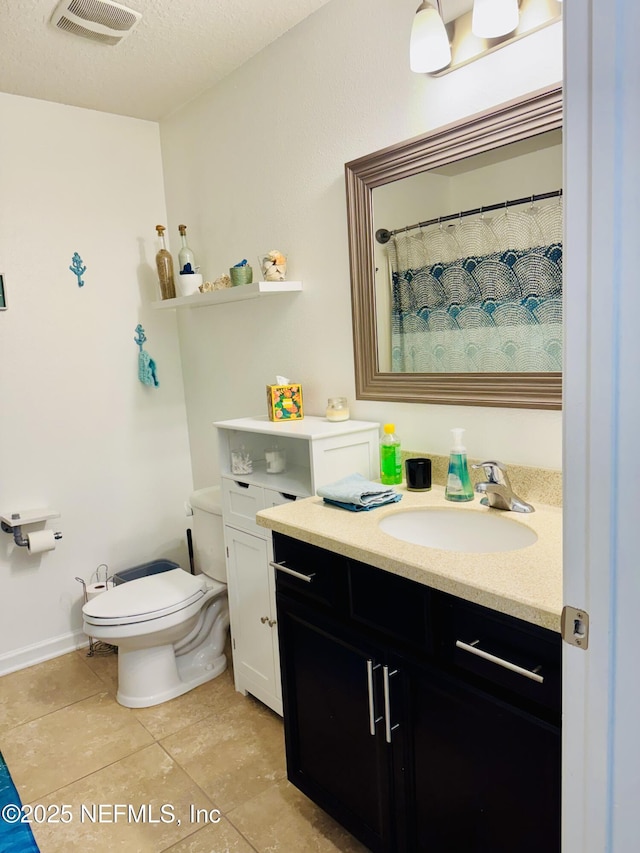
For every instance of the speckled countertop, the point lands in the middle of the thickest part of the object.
(526, 583)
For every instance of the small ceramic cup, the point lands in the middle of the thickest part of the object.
(241, 275)
(418, 474)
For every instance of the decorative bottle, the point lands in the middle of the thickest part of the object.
(186, 258)
(164, 265)
(458, 486)
(390, 457)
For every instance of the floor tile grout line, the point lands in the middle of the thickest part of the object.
(101, 688)
(186, 773)
(208, 712)
(208, 798)
(105, 689)
(224, 813)
(246, 802)
(85, 659)
(85, 775)
(101, 692)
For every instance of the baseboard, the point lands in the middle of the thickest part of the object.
(39, 652)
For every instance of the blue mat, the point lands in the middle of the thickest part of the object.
(15, 837)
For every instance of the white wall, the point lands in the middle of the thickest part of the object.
(258, 163)
(78, 431)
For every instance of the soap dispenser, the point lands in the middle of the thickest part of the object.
(458, 486)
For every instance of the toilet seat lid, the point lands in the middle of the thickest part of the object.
(146, 598)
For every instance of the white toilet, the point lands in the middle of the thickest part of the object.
(170, 628)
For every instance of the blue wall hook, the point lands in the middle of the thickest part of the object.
(146, 365)
(140, 337)
(77, 268)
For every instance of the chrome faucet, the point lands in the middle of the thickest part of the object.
(497, 489)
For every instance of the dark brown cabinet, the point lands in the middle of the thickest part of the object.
(422, 723)
(486, 775)
(332, 755)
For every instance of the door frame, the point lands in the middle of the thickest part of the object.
(601, 750)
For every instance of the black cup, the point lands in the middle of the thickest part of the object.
(418, 474)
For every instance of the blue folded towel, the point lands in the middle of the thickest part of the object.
(357, 493)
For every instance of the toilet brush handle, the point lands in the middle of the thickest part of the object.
(190, 548)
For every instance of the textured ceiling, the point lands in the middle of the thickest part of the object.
(179, 49)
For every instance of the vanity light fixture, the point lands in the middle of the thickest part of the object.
(457, 32)
(494, 18)
(429, 48)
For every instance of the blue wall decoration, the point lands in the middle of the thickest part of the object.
(146, 365)
(77, 268)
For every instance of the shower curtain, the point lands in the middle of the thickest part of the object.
(479, 295)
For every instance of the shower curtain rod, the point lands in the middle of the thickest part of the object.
(383, 236)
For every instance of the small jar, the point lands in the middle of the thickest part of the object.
(241, 462)
(337, 409)
(276, 461)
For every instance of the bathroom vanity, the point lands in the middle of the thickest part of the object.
(421, 687)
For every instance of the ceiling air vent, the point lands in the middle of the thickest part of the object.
(98, 20)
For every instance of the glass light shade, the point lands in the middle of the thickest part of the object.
(493, 18)
(429, 49)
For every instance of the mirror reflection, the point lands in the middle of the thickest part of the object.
(468, 260)
(458, 299)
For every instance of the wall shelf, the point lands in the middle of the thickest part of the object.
(230, 294)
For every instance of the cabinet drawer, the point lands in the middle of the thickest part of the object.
(524, 659)
(275, 498)
(389, 604)
(310, 572)
(241, 501)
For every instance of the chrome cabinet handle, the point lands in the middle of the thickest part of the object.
(271, 622)
(388, 728)
(282, 568)
(473, 649)
(372, 708)
(264, 619)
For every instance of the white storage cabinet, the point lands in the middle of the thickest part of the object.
(317, 452)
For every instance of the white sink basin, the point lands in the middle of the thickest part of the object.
(458, 529)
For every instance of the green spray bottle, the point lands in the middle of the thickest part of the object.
(458, 486)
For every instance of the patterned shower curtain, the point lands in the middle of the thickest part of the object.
(479, 295)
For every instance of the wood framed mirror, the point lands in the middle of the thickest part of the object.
(456, 147)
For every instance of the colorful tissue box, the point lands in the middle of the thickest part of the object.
(284, 402)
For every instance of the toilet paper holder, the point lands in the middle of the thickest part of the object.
(98, 647)
(13, 523)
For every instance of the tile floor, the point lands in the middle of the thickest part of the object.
(67, 741)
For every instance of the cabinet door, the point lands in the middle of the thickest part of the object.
(332, 699)
(334, 455)
(253, 624)
(486, 776)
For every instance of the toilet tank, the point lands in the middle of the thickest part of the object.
(208, 535)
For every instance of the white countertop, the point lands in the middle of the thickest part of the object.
(526, 583)
(310, 427)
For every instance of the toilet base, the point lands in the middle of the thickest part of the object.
(148, 677)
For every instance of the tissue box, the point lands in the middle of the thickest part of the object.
(284, 402)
